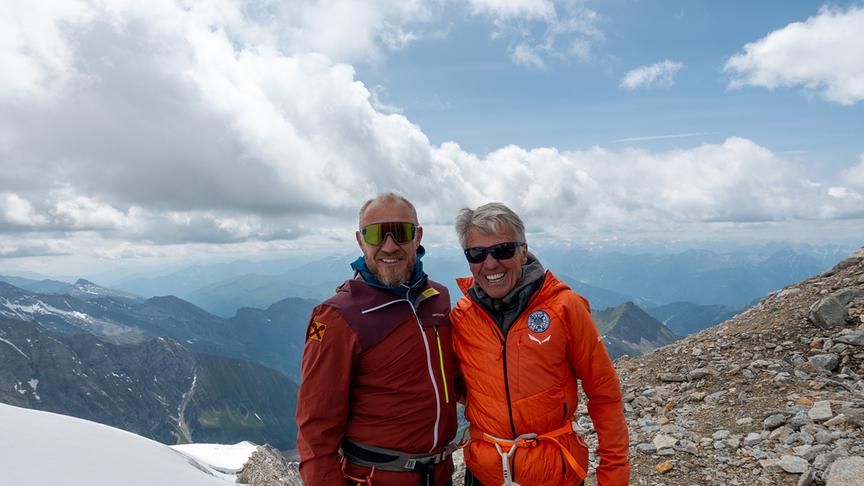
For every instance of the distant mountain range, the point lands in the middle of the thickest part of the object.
(272, 337)
(627, 329)
(223, 289)
(600, 298)
(45, 286)
(699, 276)
(84, 289)
(156, 388)
(703, 277)
(685, 318)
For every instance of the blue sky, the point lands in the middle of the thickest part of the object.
(464, 87)
(140, 133)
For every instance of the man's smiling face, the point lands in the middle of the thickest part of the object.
(391, 262)
(496, 277)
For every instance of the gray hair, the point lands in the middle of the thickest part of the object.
(389, 197)
(489, 218)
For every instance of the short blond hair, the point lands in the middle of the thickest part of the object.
(388, 197)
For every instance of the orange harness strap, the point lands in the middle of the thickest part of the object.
(530, 440)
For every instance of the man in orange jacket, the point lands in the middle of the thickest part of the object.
(523, 340)
(376, 403)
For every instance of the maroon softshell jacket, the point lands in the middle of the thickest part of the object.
(378, 369)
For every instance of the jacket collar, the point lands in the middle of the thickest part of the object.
(418, 277)
(505, 310)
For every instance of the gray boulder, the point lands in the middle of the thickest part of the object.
(828, 313)
(825, 361)
(855, 337)
(847, 471)
(848, 296)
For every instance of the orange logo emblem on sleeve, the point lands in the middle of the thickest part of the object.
(316, 331)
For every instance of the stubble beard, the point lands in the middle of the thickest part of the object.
(393, 278)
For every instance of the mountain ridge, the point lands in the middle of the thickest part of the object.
(272, 337)
(629, 330)
(143, 388)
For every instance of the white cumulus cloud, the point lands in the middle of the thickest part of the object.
(602, 190)
(503, 10)
(541, 30)
(821, 54)
(527, 56)
(181, 124)
(661, 74)
(17, 211)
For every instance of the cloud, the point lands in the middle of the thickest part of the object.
(821, 54)
(541, 30)
(659, 75)
(604, 191)
(527, 56)
(76, 212)
(657, 137)
(504, 10)
(16, 211)
(33, 247)
(177, 124)
(347, 31)
(176, 116)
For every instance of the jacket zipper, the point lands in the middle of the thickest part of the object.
(503, 339)
(507, 384)
(431, 376)
(426, 348)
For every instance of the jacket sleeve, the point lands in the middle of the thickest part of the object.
(322, 403)
(591, 364)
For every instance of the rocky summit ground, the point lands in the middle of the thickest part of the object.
(774, 396)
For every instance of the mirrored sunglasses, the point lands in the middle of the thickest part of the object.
(375, 233)
(501, 251)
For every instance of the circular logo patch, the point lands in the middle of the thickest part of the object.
(538, 321)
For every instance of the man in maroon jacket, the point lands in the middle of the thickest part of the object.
(376, 403)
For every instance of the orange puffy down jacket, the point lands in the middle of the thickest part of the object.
(526, 382)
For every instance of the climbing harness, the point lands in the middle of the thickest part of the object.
(381, 459)
(528, 441)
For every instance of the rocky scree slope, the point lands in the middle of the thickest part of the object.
(772, 396)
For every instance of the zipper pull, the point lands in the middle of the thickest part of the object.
(441, 361)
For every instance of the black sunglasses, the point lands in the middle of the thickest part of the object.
(501, 251)
(375, 233)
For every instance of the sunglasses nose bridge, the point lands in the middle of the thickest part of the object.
(389, 241)
(487, 257)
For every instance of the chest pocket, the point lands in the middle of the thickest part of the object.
(433, 308)
(540, 354)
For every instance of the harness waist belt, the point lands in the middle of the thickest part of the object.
(390, 460)
(529, 440)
